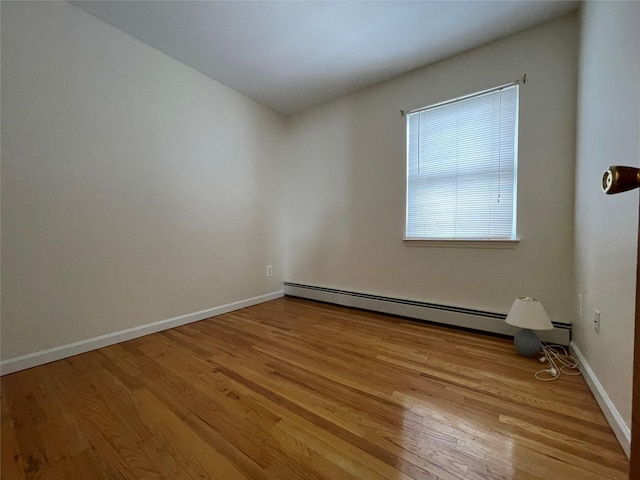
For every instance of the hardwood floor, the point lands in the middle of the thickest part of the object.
(292, 389)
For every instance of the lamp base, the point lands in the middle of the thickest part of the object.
(527, 343)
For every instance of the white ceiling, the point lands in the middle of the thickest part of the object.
(290, 55)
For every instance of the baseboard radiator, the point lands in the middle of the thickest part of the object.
(489, 322)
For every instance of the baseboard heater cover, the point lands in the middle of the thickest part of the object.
(490, 322)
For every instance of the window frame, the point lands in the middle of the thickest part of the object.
(467, 242)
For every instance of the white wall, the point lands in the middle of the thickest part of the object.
(346, 183)
(606, 227)
(134, 189)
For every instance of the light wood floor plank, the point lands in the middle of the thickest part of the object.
(294, 389)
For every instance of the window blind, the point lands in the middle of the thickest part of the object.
(461, 168)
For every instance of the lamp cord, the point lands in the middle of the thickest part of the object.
(560, 362)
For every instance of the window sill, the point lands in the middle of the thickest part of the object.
(498, 244)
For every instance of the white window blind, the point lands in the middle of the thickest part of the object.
(461, 168)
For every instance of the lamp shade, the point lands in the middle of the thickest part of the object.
(527, 312)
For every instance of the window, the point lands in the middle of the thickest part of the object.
(461, 168)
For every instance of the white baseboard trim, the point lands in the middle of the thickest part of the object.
(23, 362)
(617, 424)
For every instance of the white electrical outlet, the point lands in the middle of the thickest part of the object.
(580, 305)
(269, 270)
(596, 321)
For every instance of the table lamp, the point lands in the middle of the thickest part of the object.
(528, 314)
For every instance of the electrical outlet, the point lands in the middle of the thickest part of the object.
(269, 270)
(580, 305)
(596, 321)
